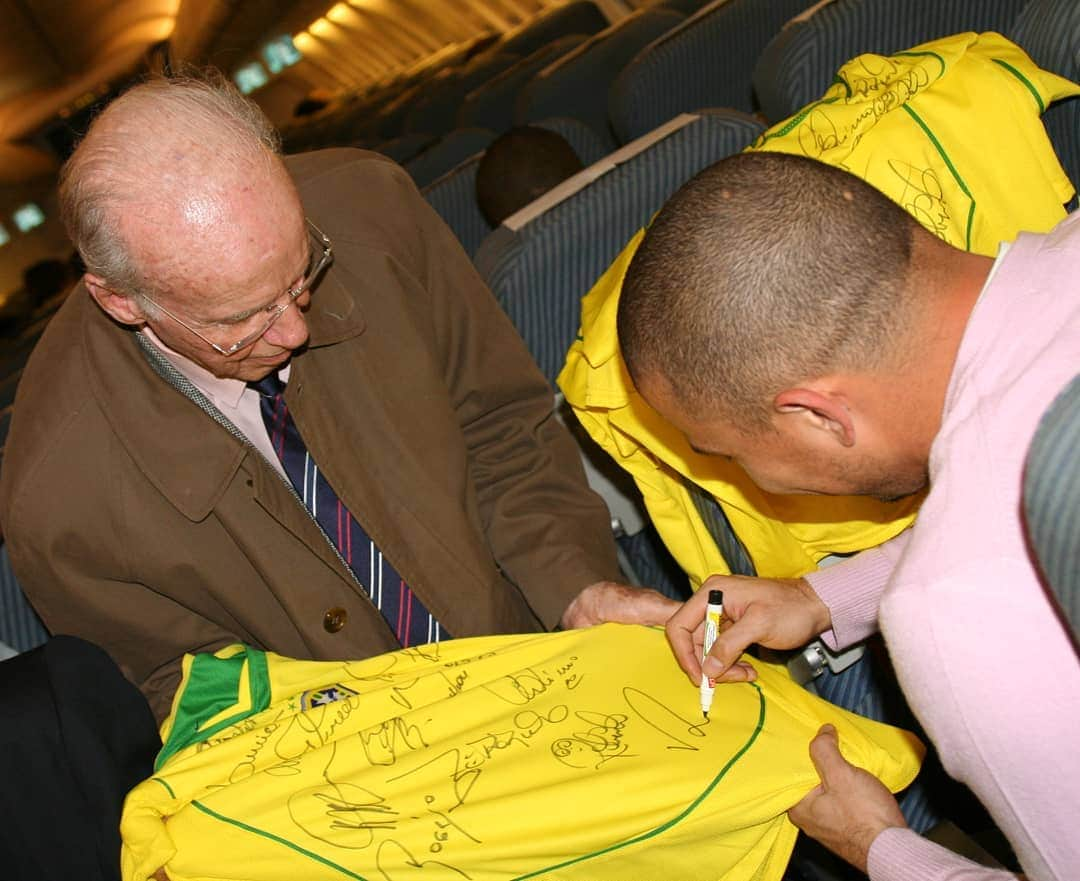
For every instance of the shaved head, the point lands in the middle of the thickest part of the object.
(764, 270)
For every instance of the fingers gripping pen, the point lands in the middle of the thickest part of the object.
(714, 611)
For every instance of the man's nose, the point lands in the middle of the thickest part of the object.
(290, 331)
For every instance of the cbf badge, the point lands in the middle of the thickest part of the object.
(328, 694)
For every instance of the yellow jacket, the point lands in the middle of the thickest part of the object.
(951, 131)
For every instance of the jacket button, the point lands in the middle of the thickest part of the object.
(334, 619)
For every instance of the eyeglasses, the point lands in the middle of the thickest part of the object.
(271, 313)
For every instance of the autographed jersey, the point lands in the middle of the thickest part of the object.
(575, 755)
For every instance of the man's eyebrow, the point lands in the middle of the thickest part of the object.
(237, 317)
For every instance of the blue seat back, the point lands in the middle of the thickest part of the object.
(540, 270)
(437, 109)
(491, 105)
(707, 61)
(453, 196)
(1052, 499)
(577, 85)
(579, 17)
(447, 154)
(799, 63)
(1049, 31)
(588, 145)
(20, 627)
(403, 148)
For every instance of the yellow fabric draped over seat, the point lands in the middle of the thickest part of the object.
(950, 130)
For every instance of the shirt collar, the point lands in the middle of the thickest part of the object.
(220, 391)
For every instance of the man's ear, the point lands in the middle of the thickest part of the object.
(818, 411)
(115, 304)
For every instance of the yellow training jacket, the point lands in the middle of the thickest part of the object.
(579, 756)
(950, 130)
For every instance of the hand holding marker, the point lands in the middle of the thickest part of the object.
(713, 612)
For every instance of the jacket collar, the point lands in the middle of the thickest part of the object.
(165, 433)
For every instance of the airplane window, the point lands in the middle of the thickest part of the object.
(28, 216)
(279, 53)
(250, 77)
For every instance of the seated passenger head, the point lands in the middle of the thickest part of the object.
(189, 223)
(519, 167)
(775, 311)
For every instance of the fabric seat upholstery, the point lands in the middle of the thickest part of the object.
(707, 61)
(577, 85)
(1052, 499)
(798, 64)
(540, 271)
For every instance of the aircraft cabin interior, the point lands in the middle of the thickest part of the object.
(531, 152)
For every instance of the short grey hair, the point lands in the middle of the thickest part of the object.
(131, 137)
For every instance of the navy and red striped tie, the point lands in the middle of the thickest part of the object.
(411, 622)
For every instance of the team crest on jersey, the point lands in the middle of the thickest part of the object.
(328, 694)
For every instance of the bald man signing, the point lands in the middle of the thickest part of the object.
(786, 315)
(282, 409)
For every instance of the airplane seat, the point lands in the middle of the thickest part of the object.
(437, 109)
(20, 627)
(704, 62)
(799, 62)
(543, 260)
(405, 147)
(453, 196)
(491, 105)
(1049, 31)
(578, 17)
(447, 153)
(577, 84)
(686, 7)
(588, 145)
(1052, 500)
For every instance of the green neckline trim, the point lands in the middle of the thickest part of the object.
(213, 685)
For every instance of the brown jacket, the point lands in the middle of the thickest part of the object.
(135, 521)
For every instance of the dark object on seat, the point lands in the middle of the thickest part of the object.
(76, 738)
(1049, 31)
(577, 85)
(707, 61)
(799, 63)
(1052, 500)
(518, 167)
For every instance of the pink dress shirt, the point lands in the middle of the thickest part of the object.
(980, 651)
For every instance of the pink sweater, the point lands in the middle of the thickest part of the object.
(986, 664)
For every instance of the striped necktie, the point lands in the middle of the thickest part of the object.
(411, 622)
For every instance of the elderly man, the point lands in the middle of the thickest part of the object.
(785, 314)
(164, 491)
